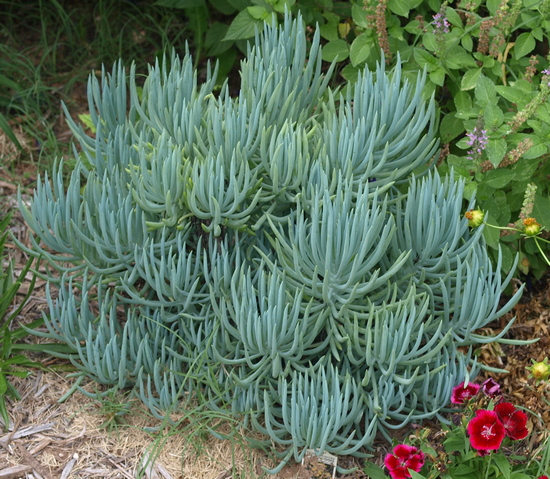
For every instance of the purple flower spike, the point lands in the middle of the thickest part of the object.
(440, 23)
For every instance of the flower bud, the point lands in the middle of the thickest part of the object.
(531, 227)
(540, 371)
(474, 217)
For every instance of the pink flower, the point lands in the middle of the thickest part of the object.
(513, 420)
(462, 393)
(485, 430)
(404, 457)
(491, 388)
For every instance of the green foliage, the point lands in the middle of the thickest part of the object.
(271, 254)
(10, 364)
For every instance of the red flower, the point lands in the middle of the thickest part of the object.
(462, 393)
(543, 477)
(491, 388)
(513, 420)
(404, 458)
(485, 430)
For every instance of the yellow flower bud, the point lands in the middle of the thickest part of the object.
(540, 371)
(474, 217)
(531, 227)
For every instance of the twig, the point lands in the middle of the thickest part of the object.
(28, 431)
(37, 467)
(69, 467)
(14, 472)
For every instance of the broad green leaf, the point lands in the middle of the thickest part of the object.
(223, 6)
(450, 127)
(508, 256)
(458, 58)
(425, 59)
(541, 210)
(359, 16)
(538, 34)
(213, 40)
(498, 178)
(519, 475)
(336, 50)
(469, 190)
(350, 73)
(399, 7)
(373, 471)
(496, 149)
(525, 44)
(512, 94)
(243, 26)
(180, 3)
(329, 31)
(536, 151)
(360, 49)
(429, 40)
(493, 5)
(492, 115)
(257, 12)
(239, 5)
(467, 42)
(469, 79)
(413, 27)
(463, 101)
(438, 76)
(484, 91)
(492, 237)
(453, 17)
(282, 5)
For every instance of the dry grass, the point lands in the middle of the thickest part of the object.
(73, 440)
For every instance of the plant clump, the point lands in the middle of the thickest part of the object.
(270, 255)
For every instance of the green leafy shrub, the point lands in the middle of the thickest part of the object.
(270, 254)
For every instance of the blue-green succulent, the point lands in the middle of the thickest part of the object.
(287, 255)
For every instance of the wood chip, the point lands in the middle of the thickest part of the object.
(14, 472)
(31, 461)
(152, 469)
(28, 431)
(69, 467)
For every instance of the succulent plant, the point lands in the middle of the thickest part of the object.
(287, 255)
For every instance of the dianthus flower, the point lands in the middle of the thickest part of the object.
(462, 393)
(404, 457)
(490, 387)
(513, 420)
(485, 430)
